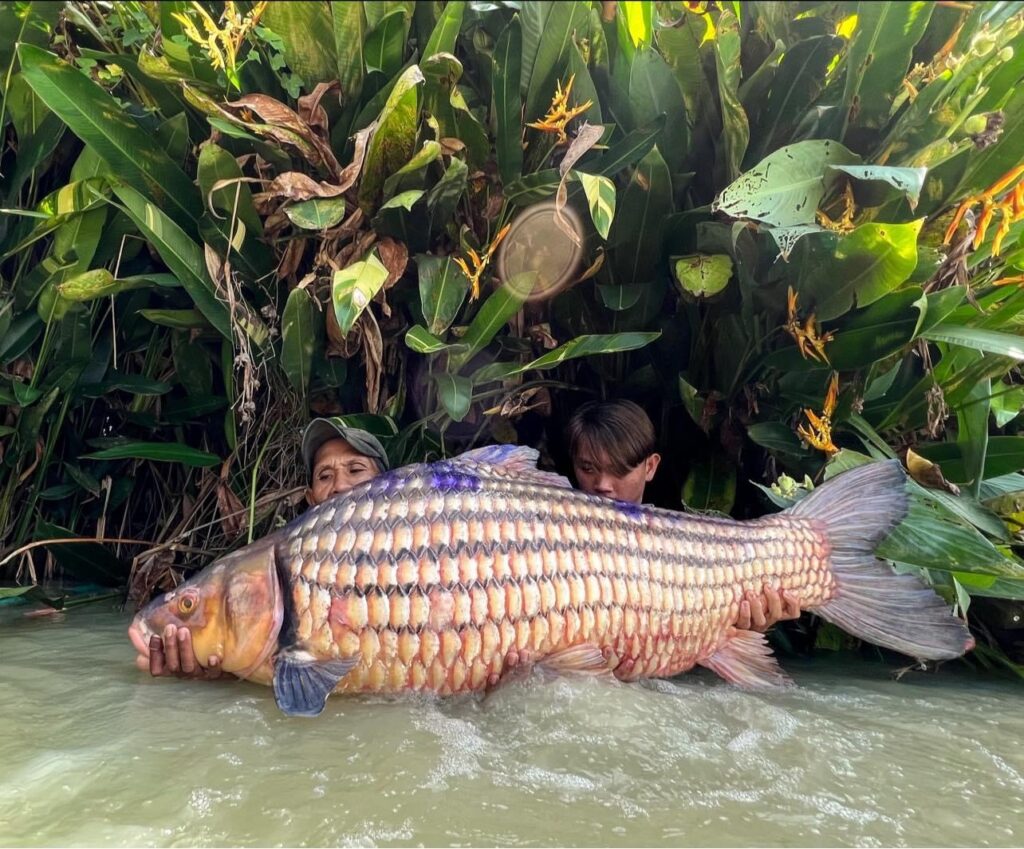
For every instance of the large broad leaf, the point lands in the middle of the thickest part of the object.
(879, 58)
(735, 127)
(547, 36)
(353, 289)
(502, 304)
(635, 23)
(785, 188)
(776, 437)
(97, 119)
(394, 141)
(182, 255)
(1004, 456)
(446, 30)
(306, 30)
(317, 213)
(224, 189)
(986, 341)
(348, 27)
(507, 102)
(587, 346)
(711, 484)
(632, 148)
(653, 91)
(385, 44)
(455, 393)
(300, 332)
(907, 181)
(422, 341)
(703, 275)
(410, 176)
(443, 197)
(796, 85)
(868, 263)
(164, 452)
(443, 288)
(637, 230)
(972, 432)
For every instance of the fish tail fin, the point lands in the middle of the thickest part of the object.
(858, 509)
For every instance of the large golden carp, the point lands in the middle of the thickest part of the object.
(442, 577)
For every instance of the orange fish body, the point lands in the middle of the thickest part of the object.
(444, 577)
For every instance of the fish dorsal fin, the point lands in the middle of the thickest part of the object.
(745, 659)
(514, 461)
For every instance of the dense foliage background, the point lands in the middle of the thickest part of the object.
(799, 247)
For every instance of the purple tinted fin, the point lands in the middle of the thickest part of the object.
(517, 461)
(302, 683)
(857, 510)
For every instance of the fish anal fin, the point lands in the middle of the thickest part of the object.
(745, 659)
(584, 658)
(302, 683)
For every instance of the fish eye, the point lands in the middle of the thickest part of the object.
(186, 603)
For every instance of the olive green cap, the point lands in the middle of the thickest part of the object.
(320, 431)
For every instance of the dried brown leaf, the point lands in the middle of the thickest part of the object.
(310, 109)
(928, 474)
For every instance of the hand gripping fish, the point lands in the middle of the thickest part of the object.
(443, 577)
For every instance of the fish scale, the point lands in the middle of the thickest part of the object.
(501, 567)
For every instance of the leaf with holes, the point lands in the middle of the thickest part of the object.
(703, 275)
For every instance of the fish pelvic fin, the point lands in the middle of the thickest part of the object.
(746, 659)
(857, 510)
(302, 683)
(585, 658)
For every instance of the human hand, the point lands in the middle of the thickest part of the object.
(173, 654)
(760, 612)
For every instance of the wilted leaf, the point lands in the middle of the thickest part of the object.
(928, 474)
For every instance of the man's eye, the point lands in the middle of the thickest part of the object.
(356, 470)
(325, 476)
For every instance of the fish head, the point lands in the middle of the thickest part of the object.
(233, 609)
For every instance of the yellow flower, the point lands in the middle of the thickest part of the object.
(809, 338)
(480, 265)
(221, 44)
(819, 433)
(559, 113)
(843, 224)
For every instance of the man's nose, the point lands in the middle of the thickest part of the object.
(339, 487)
(605, 486)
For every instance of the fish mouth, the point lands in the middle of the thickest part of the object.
(139, 634)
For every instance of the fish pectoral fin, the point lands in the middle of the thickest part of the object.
(745, 659)
(585, 657)
(302, 683)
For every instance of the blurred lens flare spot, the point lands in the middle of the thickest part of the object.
(544, 246)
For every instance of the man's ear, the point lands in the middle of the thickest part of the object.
(652, 466)
(309, 497)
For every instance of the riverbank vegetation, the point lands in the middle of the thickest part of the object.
(791, 230)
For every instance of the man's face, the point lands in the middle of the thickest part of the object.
(337, 467)
(596, 477)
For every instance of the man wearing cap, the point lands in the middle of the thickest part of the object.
(336, 458)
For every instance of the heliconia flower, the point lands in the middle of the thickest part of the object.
(1010, 207)
(559, 113)
(479, 265)
(819, 433)
(809, 338)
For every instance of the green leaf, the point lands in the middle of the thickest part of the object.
(300, 332)
(736, 129)
(635, 25)
(653, 91)
(703, 275)
(446, 31)
(620, 297)
(797, 84)
(507, 102)
(776, 437)
(868, 263)
(711, 484)
(590, 345)
(600, 192)
(404, 200)
(394, 141)
(349, 33)
(443, 288)
(637, 230)
(182, 256)
(178, 319)
(97, 283)
(443, 197)
(306, 31)
(632, 148)
(878, 59)
(986, 341)
(385, 44)
(422, 341)
(353, 289)
(217, 165)
(502, 304)
(429, 152)
(908, 181)
(317, 213)
(192, 365)
(455, 393)
(547, 36)
(1005, 455)
(163, 452)
(95, 117)
(1007, 404)
(785, 188)
(972, 432)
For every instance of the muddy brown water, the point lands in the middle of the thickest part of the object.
(95, 753)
